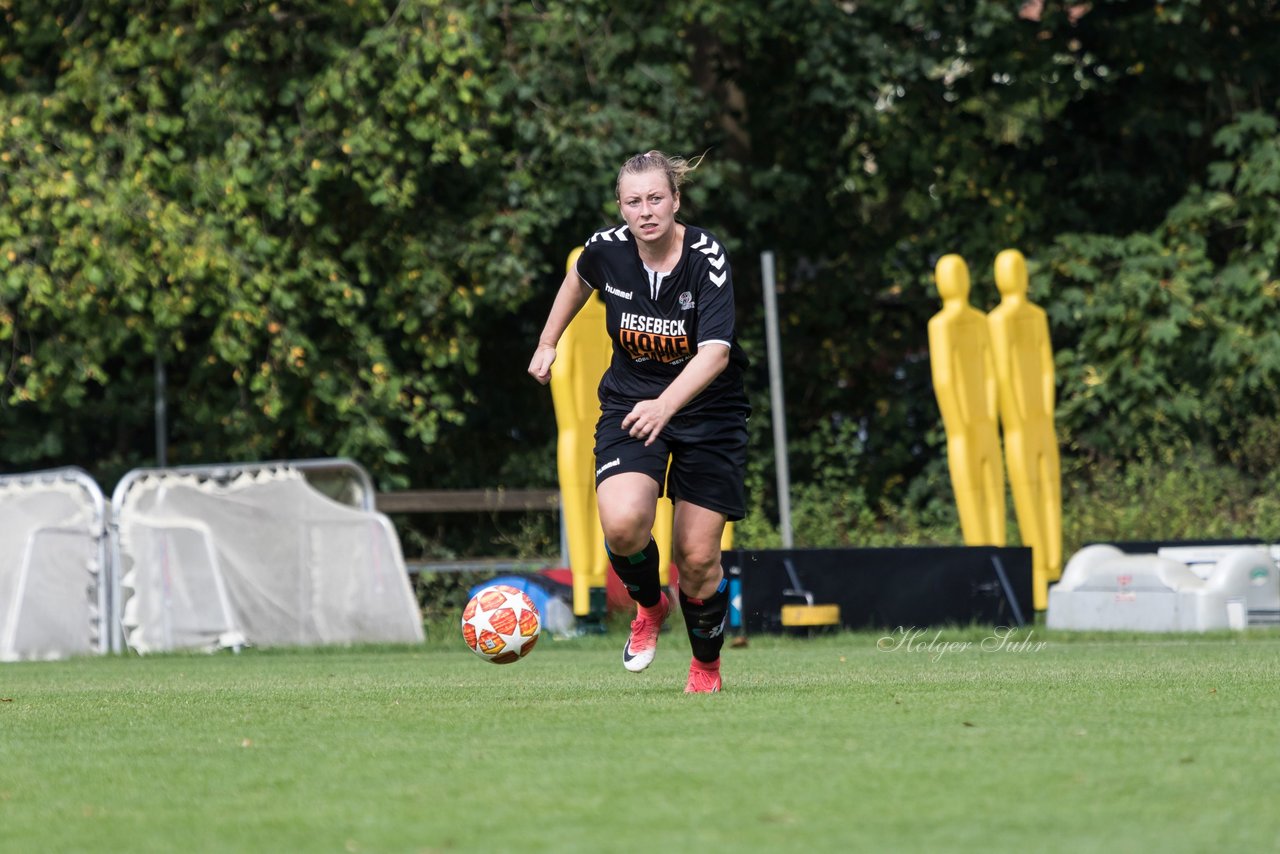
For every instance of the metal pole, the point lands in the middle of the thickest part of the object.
(162, 433)
(775, 396)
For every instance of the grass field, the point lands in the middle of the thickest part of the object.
(866, 742)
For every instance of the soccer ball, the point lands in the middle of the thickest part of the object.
(501, 624)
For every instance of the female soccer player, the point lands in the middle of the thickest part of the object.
(673, 388)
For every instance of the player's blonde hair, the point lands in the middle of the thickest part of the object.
(675, 168)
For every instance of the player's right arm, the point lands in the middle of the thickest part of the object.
(570, 299)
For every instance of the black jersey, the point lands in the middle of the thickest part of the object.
(657, 321)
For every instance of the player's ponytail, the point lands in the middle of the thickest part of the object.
(675, 168)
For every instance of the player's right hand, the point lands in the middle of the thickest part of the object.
(540, 364)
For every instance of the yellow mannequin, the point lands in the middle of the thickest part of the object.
(1024, 368)
(582, 356)
(964, 381)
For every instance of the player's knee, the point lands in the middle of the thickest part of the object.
(698, 564)
(626, 535)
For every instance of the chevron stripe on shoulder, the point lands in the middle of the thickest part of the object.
(609, 235)
(710, 247)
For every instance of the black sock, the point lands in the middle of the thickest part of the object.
(639, 574)
(705, 619)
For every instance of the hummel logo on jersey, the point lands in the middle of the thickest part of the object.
(610, 289)
(604, 468)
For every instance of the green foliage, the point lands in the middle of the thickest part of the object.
(1181, 496)
(238, 196)
(314, 219)
(1170, 339)
(1174, 495)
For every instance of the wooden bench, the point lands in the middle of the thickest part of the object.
(472, 501)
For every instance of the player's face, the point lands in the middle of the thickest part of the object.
(647, 204)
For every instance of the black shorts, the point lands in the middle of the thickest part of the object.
(708, 454)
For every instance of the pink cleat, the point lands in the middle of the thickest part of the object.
(703, 678)
(642, 645)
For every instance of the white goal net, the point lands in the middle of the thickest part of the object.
(53, 592)
(260, 558)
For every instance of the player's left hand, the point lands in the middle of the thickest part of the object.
(646, 420)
